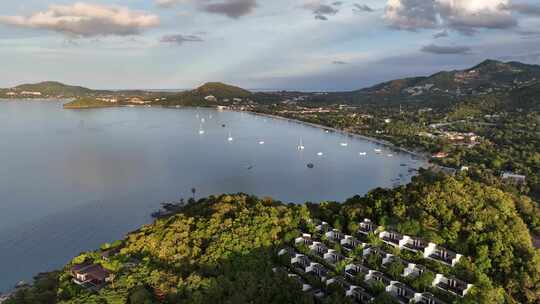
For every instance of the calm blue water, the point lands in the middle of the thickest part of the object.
(71, 180)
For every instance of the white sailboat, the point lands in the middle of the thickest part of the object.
(230, 138)
(301, 146)
(201, 130)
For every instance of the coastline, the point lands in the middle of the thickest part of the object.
(422, 156)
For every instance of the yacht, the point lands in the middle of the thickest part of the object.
(362, 153)
(301, 146)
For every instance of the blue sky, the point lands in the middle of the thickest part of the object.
(277, 44)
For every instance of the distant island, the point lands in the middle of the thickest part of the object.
(208, 94)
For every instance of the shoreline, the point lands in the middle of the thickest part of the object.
(421, 155)
(388, 144)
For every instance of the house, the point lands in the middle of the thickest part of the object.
(376, 276)
(305, 239)
(334, 235)
(90, 275)
(353, 271)
(305, 287)
(415, 244)
(4, 298)
(318, 248)
(288, 252)
(401, 292)
(322, 227)
(367, 227)
(350, 243)
(440, 155)
(426, 298)
(300, 261)
(211, 98)
(373, 251)
(333, 257)
(443, 255)
(318, 270)
(109, 253)
(318, 294)
(359, 294)
(413, 270)
(337, 280)
(451, 285)
(393, 238)
(390, 258)
(31, 93)
(512, 178)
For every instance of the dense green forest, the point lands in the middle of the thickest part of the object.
(223, 249)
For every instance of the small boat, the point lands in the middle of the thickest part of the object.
(178, 106)
(201, 130)
(390, 155)
(403, 165)
(344, 144)
(378, 151)
(310, 165)
(301, 146)
(362, 153)
(230, 138)
(261, 142)
(223, 125)
(203, 120)
(320, 154)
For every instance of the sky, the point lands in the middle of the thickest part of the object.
(310, 45)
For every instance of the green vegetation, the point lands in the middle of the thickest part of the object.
(219, 246)
(52, 88)
(87, 102)
(221, 90)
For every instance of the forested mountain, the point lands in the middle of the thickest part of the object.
(486, 78)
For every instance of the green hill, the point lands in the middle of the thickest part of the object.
(223, 249)
(88, 102)
(490, 76)
(221, 90)
(53, 88)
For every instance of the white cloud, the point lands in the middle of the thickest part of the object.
(86, 20)
(465, 16)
